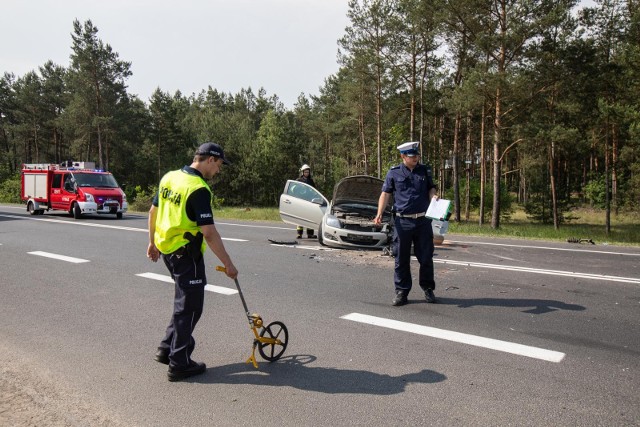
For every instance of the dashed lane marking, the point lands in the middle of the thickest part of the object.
(60, 257)
(493, 344)
(211, 288)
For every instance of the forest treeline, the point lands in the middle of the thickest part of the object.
(532, 101)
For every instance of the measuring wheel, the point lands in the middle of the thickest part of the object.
(277, 332)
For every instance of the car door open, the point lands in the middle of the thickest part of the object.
(301, 204)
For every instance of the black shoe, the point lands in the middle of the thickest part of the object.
(194, 368)
(430, 297)
(162, 356)
(400, 299)
(299, 236)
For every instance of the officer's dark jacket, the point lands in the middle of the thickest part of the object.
(410, 189)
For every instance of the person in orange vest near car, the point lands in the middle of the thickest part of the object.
(305, 176)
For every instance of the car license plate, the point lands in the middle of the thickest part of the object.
(359, 237)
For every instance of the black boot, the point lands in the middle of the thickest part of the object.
(194, 368)
(400, 298)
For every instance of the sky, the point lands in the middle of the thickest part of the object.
(284, 46)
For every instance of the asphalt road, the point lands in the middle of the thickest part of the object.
(525, 332)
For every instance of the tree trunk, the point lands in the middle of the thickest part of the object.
(379, 120)
(552, 181)
(614, 167)
(607, 190)
(468, 167)
(441, 151)
(363, 141)
(455, 171)
(483, 166)
(495, 214)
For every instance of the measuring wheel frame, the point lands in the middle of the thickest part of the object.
(273, 342)
(273, 338)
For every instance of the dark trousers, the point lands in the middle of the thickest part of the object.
(301, 229)
(418, 232)
(190, 279)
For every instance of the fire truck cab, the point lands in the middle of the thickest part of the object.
(76, 187)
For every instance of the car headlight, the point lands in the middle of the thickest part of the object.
(88, 197)
(332, 221)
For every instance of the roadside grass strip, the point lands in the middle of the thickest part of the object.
(211, 288)
(542, 271)
(492, 344)
(59, 257)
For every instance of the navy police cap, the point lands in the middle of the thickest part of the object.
(212, 149)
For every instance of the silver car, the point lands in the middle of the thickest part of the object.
(346, 221)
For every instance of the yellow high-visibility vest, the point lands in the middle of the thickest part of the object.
(172, 220)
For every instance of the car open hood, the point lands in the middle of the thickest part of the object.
(359, 188)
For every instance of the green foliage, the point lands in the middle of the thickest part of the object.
(595, 191)
(539, 207)
(10, 190)
(506, 200)
(216, 202)
(140, 199)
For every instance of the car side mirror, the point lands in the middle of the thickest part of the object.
(318, 201)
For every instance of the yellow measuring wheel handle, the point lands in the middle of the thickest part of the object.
(256, 320)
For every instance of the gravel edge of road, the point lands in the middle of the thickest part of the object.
(31, 396)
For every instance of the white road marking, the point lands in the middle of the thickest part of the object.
(254, 226)
(493, 344)
(168, 279)
(542, 271)
(542, 247)
(60, 257)
(93, 224)
(84, 224)
(310, 248)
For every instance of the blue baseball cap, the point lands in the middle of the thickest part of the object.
(212, 149)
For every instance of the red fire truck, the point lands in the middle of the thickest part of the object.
(76, 187)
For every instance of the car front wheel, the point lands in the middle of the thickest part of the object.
(320, 239)
(77, 213)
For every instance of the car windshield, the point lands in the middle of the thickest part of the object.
(95, 180)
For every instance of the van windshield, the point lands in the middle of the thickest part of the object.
(95, 180)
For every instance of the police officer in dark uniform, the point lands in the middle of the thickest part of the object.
(411, 184)
(181, 227)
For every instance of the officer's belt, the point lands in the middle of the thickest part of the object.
(414, 216)
(183, 250)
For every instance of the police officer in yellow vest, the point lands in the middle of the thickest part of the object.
(181, 227)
